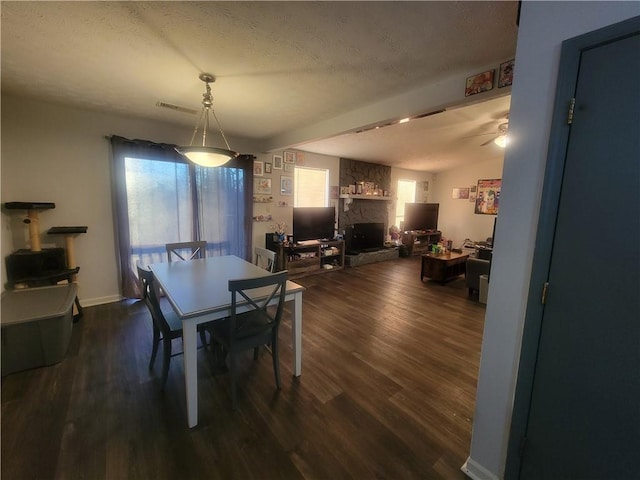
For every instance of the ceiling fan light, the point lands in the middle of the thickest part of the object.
(501, 141)
(207, 156)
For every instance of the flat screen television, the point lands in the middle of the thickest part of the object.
(364, 237)
(421, 216)
(313, 223)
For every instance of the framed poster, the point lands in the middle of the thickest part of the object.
(286, 185)
(289, 167)
(258, 168)
(267, 167)
(488, 196)
(505, 77)
(481, 82)
(261, 186)
(277, 162)
(289, 157)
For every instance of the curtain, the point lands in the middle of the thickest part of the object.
(159, 197)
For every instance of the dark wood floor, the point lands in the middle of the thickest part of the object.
(387, 391)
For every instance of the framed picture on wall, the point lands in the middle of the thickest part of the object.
(267, 167)
(277, 162)
(505, 77)
(262, 186)
(289, 157)
(488, 196)
(481, 82)
(258, 168)
(286, 185)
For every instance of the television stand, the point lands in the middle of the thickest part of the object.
(310, 258)
(419, 241)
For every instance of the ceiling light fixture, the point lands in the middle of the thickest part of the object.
(203, 155)
(501, 141)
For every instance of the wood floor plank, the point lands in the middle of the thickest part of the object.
(390, 368)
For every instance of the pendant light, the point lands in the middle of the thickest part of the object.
(203, 155)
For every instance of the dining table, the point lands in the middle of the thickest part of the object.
(198, 291)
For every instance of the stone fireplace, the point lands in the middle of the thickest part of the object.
(363, 211)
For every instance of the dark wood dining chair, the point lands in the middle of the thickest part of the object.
(253, 328)
(265, 259)
(166, 324)
(186, 250)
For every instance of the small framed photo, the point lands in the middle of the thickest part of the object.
(459, 193)
(277, 162)
(505, 77)
(258, 168)
(299, 158)
(481, 82)
(267, 167)
(289, 157)
(289, 167)
(286, 185)
(261, 186)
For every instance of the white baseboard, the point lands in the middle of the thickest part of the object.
(92, 302)
(474, 470)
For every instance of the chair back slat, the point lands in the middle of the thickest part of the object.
(265, 259)
(151, 297)
(186, 250)
(241, 296)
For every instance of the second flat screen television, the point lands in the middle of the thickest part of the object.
(313, 223)
(421, 216)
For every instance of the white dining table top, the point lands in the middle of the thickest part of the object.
(200, 286)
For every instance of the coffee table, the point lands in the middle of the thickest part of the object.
(444, 267)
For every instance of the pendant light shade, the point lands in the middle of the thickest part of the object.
(203, 155)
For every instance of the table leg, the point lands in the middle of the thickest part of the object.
(296, 330)
(190, 346)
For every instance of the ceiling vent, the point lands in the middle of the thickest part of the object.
(176, 108)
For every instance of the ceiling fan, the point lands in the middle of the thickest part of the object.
(500, 137)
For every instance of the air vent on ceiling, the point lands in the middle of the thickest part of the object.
(176, 108)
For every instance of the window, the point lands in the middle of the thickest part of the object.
(406, 194)
(160, 198)
(311, 187)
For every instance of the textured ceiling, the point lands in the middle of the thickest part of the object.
(280, 66)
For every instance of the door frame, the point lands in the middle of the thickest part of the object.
(568, 71)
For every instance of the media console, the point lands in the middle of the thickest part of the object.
(419, 242)
(310, 259)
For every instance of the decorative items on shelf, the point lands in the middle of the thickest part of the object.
(365, 189)
(280, 232)
(262, 199)
(262, 218)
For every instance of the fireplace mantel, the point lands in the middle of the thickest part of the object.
(349, 198)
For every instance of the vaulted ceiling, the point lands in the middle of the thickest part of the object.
(288, 74)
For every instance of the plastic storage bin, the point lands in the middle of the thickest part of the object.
(36, 326)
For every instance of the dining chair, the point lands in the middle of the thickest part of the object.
(186, 250)
(253, 328)
(265, 259)
(166, 324)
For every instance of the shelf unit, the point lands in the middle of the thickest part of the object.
(418, 242)
(349, 198)
(302, 260)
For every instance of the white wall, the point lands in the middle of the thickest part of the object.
(543, 27)
(456, 218)
(285, 214)
(52, 153)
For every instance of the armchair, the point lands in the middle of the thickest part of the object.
(475, 268)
